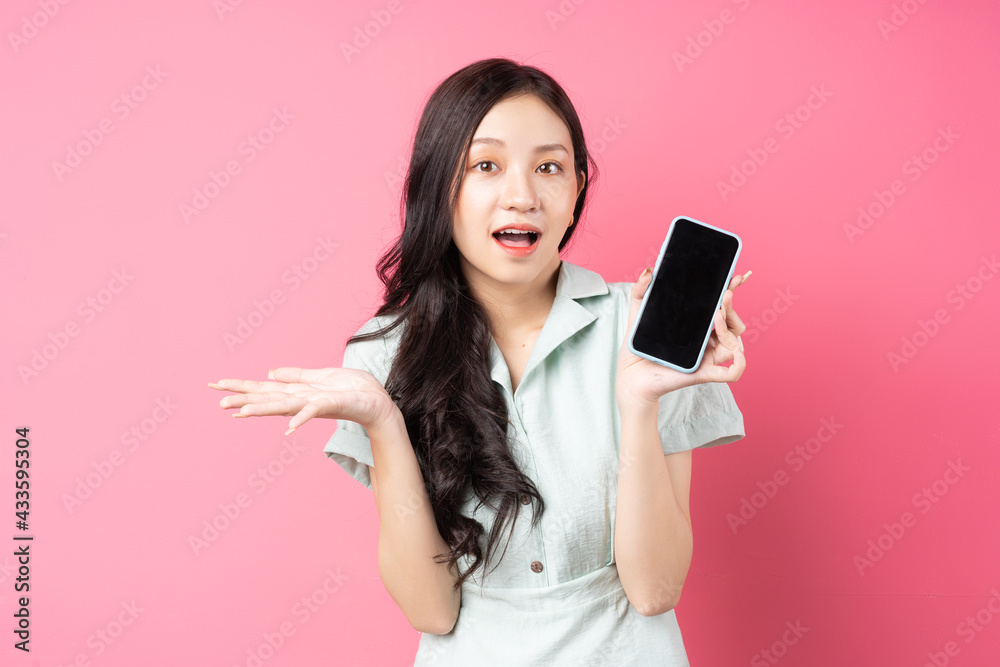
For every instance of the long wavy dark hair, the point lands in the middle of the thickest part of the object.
(440, 378)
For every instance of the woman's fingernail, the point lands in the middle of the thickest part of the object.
(740, 341)
(289, 431)
(239, 414)
(270, 374)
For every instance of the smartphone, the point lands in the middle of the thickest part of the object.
(692, 272)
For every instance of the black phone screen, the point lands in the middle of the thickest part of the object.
(685, 292)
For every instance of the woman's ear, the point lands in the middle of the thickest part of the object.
(582, 178)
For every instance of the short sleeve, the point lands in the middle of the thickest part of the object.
(701, 415)
(350, 446)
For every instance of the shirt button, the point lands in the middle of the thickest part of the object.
(525, 499)
(536, 566)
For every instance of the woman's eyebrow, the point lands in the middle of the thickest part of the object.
(538, 149)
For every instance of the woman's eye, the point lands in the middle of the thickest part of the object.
(488, 166)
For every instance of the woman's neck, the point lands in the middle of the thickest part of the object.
(517, 311)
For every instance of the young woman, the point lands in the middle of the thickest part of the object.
(493, 393)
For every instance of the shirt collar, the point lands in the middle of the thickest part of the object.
(566, 318)
(576, 282)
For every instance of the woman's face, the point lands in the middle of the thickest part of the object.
(518, 174)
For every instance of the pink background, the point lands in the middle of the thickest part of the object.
(827, 308)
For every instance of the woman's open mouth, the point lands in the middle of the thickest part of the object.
(518, 243)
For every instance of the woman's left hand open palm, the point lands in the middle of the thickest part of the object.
(645, 381)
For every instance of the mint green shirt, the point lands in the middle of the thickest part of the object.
(555, 597)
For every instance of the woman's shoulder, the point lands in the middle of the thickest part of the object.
(375, 353)
(621, 292)
(376, 323)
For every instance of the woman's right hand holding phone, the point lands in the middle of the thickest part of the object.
(304, 393)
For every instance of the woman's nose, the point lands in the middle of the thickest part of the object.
(519, 191)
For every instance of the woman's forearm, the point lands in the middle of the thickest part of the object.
(653, 539)
(408, 537)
